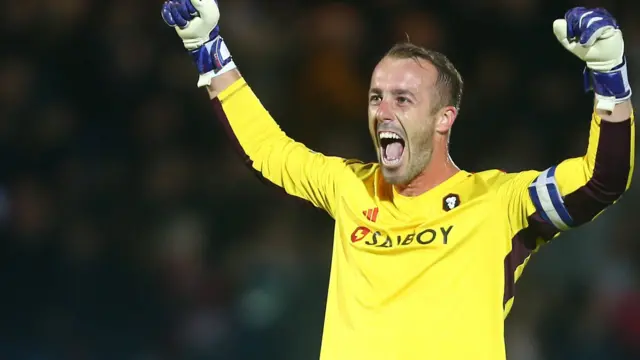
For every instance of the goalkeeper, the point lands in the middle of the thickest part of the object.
(425, 254)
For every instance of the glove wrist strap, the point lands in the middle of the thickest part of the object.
(212, 59)
(610, 87)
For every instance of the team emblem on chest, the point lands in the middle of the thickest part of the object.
(450, 202)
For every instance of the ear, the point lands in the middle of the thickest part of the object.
(445, 118)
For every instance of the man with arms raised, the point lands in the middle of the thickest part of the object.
(425, 254)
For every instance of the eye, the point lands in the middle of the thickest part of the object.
(374, 99)
(402, 100)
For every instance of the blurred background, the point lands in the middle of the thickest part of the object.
(129, 229)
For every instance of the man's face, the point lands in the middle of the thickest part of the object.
(401, 116)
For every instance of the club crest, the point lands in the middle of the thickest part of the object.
(450, 202)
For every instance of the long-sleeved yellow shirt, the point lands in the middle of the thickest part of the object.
(431, 276)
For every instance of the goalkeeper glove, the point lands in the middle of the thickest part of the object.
(594, 36)
(196, 22)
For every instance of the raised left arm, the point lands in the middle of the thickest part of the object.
(542, 204)
(561, 194)
(576, 190)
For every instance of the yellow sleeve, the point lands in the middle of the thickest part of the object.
(542, 204)
(267, 149)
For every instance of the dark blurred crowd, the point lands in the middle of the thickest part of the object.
(129, 229)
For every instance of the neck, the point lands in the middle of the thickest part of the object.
(439, 169)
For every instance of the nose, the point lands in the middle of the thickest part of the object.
(384, 112)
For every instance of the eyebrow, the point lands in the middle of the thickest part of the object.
(395, 91)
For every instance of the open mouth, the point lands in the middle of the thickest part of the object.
(391, 148)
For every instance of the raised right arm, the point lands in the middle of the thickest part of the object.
(265, 147)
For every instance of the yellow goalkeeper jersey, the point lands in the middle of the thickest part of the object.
(431, 276)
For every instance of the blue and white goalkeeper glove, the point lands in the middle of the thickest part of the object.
(196, 22)
(594, 36)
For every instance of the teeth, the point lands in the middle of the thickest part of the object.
(389, 135)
